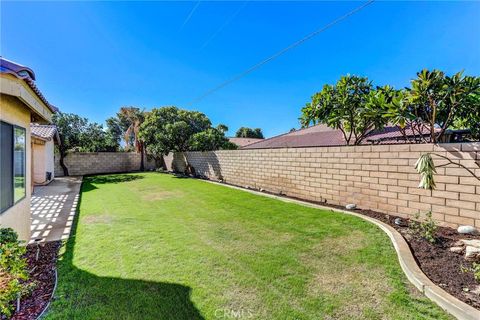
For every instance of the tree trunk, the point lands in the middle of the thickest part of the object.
(142, 164)
(62, 164)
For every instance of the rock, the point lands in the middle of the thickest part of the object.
(400, 222)
(459, 243)
(351, 206)
(472, 243)
(467, 230)
(476, 290)
(472, 254)
(456, 249)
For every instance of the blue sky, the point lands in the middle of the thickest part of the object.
(91, 58)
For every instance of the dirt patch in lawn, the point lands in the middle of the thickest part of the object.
(98, 219)
(336, 276)
(42, 274)
(160, 195)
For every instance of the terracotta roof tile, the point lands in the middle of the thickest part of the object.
(46, 132)
(27, 75)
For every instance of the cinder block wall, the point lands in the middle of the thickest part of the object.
(83, 163)
(380, 178)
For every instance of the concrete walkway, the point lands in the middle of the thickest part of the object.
(53, 209)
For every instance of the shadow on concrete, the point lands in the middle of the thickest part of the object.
(84, 295)
(53, 209)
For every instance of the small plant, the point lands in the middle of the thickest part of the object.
(13, 271)
(426, 229)
(475, 269)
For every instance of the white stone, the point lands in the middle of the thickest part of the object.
(351, 206)
(467, 230)
(472, 243)
(472, 253)
(456, 249)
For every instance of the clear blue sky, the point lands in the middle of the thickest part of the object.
(93, 57)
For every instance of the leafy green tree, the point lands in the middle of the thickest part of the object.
(352, 105)
(114, 133)
(245, 132)
(169, 129)
(436, 102)
(95, 139)
(211, 139)
(70, 128)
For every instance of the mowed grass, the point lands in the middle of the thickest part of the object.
(154, 246)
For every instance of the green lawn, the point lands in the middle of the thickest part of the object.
(154, 246)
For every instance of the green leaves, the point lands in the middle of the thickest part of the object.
(13, 270)
(169, 129)
(352, 105)
(245, 132)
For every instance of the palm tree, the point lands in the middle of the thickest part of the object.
(131, 118)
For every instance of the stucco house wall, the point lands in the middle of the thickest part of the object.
(50, 157)
(39, 162)
(18, 216)
(21, 103)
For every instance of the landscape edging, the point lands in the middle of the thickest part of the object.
(443, 299)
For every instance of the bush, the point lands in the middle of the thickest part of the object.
(13, 271)
(426, 229)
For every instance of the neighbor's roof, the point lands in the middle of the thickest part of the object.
(27, 75)
(241, 142)
(45, 132)
(322, 136)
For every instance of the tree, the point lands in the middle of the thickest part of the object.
(70, 128)
(169, 129)
(245, 132)
(130, 119)
(94, 138)
(211, 139)
(114, 133)
(352, 105)
(436, 102)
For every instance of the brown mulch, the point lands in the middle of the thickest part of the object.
(440, 265)
(43, 275)
(436, 260)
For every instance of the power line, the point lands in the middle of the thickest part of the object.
(279, 53)
(190, 14)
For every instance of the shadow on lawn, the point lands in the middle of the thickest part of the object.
(90, 181)
(84, 295)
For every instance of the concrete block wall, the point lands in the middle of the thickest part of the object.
(83, 163)
(380, 178)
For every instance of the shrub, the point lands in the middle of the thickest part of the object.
(13, 271)
(426, 229)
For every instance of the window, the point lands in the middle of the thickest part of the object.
(12, 165)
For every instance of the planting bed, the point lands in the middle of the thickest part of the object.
(436, 260)
(43, 275)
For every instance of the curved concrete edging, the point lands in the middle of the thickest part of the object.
(444, 300)
(44, 312)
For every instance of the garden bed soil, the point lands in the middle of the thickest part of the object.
(43, 275)
(440, 265)
(443, 267)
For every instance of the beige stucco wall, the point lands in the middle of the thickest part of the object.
(39, 159)
(18, 216)
(50, 157)
(380, 178)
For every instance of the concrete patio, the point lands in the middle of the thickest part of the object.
(53, 209)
